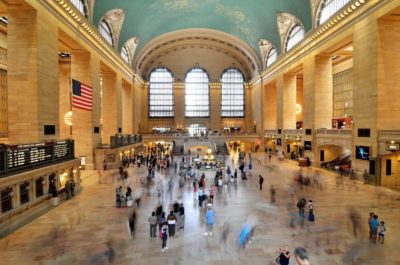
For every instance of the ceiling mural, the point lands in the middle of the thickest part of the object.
(249, 20)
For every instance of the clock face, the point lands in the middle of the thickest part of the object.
(298, 109)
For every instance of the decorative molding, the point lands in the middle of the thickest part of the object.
(285, 22)
(346, 18)
(131, 45)
(265, 46)
(314, 4)
(115, 18)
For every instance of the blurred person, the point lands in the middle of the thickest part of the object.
(132, 223)
(260, 181)
(225, 233)
(209, 221)
(272, 193)
(164, 236)
(171, 220)
(355, 218)
(284, 255)
(181, 219)
(382, 232)
(153, 224)
(301, 256)
(374, 224)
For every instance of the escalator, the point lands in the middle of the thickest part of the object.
(343, 159)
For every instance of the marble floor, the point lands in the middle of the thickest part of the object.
(90, 230)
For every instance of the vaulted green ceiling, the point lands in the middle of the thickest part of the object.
(249, 20)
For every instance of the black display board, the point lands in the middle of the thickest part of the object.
(20, 157)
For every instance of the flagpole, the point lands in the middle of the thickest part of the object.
(70, 95)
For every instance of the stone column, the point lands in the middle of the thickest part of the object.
(179, 95)
(365, 80)
(270, 106)
(139, 105)
(215, 107)
(65, 96)
(257, 118)
(110, 109)
(318, 92)
(86, 69)
(286, 101)
(127, 108)
(33, 81)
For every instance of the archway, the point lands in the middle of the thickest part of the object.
(334, 156)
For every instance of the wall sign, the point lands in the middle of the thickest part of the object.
(393, 147)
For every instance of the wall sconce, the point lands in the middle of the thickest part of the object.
(298, 109)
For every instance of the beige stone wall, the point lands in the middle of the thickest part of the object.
(65, 96)
(33, 81)
(388, 74)
(299, 98)
(127, 108)
(270, 106)
(365, 84)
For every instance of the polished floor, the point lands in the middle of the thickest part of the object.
(90, 230)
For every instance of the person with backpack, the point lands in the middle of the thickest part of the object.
(301, 205)
(164, 236)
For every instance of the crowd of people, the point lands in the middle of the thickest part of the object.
(170, 219)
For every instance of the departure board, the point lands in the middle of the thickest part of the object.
(24, 155)
(61, 150)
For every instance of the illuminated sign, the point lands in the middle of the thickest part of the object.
(393, 147)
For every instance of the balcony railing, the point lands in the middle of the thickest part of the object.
(389, 133)
(293, 132)
(334, 131)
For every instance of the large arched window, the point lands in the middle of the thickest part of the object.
(80, 5)
(197, 93)
(125, 54)
(161, 94)
(105, 31)
(295, 35)
(272, 56)
(328, 8)
(232, 95)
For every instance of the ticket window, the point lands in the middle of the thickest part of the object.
(39, 185)
(24, 192)
(6, 200)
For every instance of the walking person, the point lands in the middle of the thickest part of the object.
(301, 256)
(371, 216)
(171, 224)
(132, 223)
(260, 181)
(164, 236)
(365, 177)
(153, 224)
(209, 221)
(374, 224)
(272, 192)
(161, 220)
(181, 224)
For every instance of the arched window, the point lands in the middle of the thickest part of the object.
(125, 54)
(232, 94)
(197, 93)
(328, 8)
(161, 94)
(272, 56)
(105, 31)
(295, 35)
(80, 5)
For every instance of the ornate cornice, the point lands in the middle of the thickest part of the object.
(84, 31)
(265, 47)
(115, 18)
(314, 4)
(131, 45)
(285, 22)
(347, 17)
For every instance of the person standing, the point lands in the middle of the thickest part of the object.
(153, 224)
(371, 216)
(260, 181)
(164, 236)
(209, 221)
(171, 224)
(284, 255)
(374, 223)
(382, 231)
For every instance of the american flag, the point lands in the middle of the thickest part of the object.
(81, 95)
